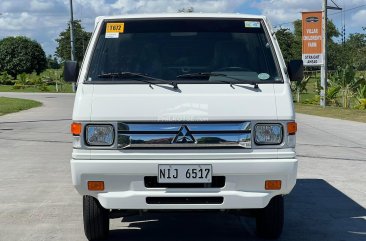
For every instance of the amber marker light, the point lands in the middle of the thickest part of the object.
(76, 128)
(291, 128)
(95, 185)
(273, 185)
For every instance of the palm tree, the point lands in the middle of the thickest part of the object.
(361, 97)
(346, 79)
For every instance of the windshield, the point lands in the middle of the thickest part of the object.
(183, 50)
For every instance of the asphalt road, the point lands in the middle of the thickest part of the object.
(38, 202)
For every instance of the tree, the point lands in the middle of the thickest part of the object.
(63, 50)
(348, 83)
(297, 45)
(21, 55)
(333, 48)
(52, 62)
(285, 39)
(361, 97)
(333, 32)
(301, 87)
(356, 47)
(352, 52)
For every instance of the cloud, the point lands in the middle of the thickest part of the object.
(118, 7)
(358, 19)
(17, 22)
(173, 5)
(13, 6)
(41, 5)
(284, 11)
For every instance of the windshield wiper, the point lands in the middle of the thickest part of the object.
(209, 74)
(137, 77)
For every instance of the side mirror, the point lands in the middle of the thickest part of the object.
(296, 70)
(71, 71)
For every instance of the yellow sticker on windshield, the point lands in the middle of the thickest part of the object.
(113, 29)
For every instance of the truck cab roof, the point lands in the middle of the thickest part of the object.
(179, 15)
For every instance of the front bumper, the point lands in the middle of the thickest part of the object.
(125, 188)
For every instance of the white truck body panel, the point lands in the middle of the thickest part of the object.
(123, 171)
(243, 189)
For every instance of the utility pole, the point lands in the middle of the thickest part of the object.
(324, 66)
(72, 32)
(73, 58)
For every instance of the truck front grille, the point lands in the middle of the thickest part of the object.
(184, 134)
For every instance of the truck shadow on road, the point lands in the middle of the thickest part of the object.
(315, 211)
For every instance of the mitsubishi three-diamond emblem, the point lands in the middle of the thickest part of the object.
(184, 136)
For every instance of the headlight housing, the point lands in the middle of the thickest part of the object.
(268, 134)
(99, 135)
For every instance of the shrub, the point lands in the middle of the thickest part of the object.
(43, 87)
(18, 86)
(6, 79)
(361, 98)
(34, 79)
(346, 79)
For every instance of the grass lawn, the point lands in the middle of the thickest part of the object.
(10, 105)
(9, 88)
(333, 112)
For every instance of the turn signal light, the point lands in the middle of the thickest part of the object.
(291, 128)
(273, 185)
(95, 185)
(76, 128)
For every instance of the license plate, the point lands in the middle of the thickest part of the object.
(185, 174)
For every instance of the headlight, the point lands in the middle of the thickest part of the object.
(99, 135)
(268, 134)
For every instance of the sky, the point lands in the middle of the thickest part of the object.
(43, 20)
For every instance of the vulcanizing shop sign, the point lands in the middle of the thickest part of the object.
(312, 51)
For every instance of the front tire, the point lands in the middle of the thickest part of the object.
(96, 219)
(269, 220)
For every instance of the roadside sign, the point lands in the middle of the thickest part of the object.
(312, 51)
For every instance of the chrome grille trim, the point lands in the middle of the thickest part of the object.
(174, 126)
(205, 134)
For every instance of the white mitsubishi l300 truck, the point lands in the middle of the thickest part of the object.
(184, 111)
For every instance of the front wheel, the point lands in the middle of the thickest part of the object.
(269, 220)
(96, 219)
